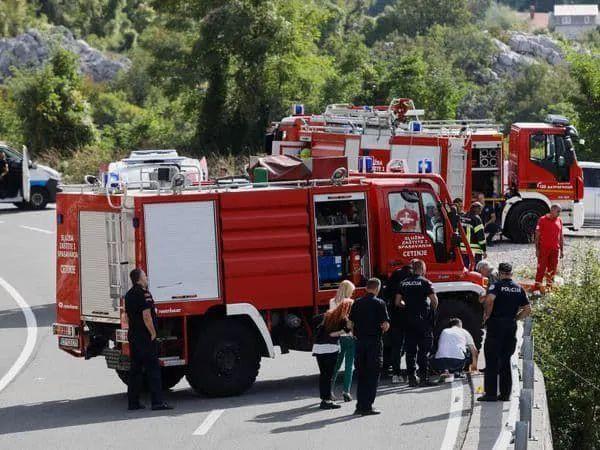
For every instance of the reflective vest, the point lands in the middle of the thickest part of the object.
(473, 227)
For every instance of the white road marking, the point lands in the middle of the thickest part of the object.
(31, 335)
(37, 229)
(455, 416)
(208, 422)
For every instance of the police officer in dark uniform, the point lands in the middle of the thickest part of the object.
(397, 326)
(417, 296)
(369, 319)
(141, 313)
(505, 303)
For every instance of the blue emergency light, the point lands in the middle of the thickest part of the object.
(298, 109)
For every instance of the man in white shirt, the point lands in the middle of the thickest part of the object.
(455, 348)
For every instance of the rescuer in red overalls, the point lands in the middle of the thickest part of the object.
(548, 246)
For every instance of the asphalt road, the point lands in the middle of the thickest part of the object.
(58, 401)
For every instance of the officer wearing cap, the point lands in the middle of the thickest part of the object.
(505, 303)
(416, 294)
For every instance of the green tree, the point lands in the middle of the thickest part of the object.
(51, 105)
(568, 352)
(10, 122)
(239, 60)
(585, 69)
(112, 24)
(413, 17)
(536, 91)
(15, 17)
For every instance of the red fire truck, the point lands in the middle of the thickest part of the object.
(238, 269)
(469, 156)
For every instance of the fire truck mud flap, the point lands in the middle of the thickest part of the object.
(461, 300)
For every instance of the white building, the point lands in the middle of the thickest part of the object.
(574, 20)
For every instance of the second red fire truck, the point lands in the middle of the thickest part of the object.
(542, 166)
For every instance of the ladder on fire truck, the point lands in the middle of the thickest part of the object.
(118, 264)
(350, 119)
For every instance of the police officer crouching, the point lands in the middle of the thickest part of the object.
(141, 314)
(417, 296)
(505, 303)
(369, 320)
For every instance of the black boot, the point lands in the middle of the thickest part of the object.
(413, 381)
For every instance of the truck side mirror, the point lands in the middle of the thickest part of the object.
(562, 161)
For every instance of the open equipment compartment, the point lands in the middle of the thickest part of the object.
(486, 169)
(342, 239)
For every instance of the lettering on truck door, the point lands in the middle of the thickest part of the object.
(407, 228)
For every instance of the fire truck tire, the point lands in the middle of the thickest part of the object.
(170, 376)
(523, 220)
(226, 359)
(468, 310)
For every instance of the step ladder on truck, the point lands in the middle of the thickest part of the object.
(468, 154)
(237, 269)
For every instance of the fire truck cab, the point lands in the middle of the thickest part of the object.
(237, 270)
(468, 155)
(542, 169)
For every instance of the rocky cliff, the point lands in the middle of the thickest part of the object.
(32, 48)
(524, 49)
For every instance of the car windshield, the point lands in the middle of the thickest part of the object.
(11, 153)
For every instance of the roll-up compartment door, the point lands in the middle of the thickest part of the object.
(96, 299)
(181, 251)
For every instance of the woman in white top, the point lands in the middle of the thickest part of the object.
(344, 292)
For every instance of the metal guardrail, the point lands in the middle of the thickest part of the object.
(524, 426)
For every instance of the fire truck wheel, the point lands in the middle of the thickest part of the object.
(226, 359)
(170, 376)
(523, 220)
(469, 310)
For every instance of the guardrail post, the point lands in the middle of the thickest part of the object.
(527, 348)
(525, 408)
(521, 438)
(528, 374)
(527, 326)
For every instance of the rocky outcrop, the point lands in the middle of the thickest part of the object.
(507, 62)
(33, 48)
(536, 45)
(524, 49)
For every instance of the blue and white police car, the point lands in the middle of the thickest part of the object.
(27, 185)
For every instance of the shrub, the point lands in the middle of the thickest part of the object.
(51, 105)
(568, 348)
